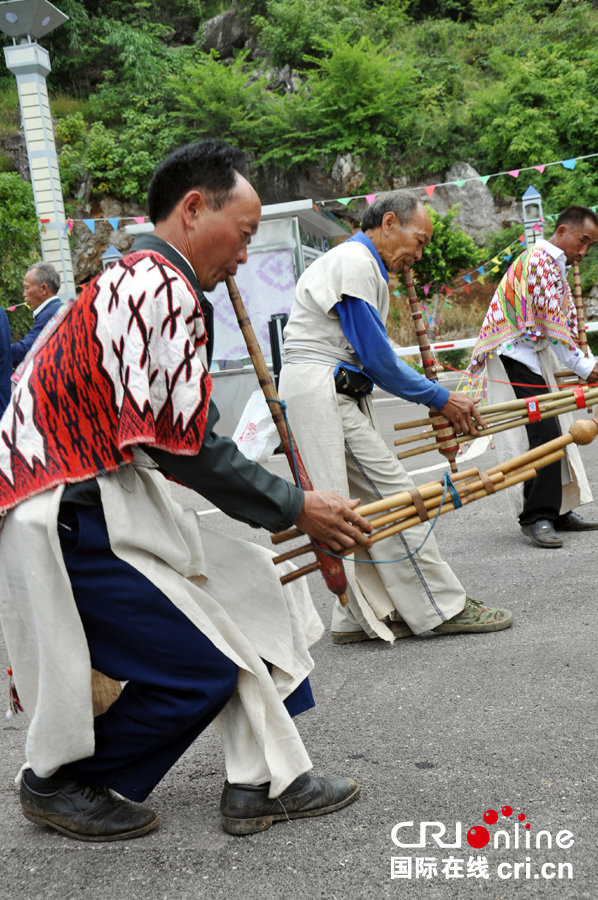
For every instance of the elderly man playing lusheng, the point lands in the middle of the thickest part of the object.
(99, 567)
(337, 321)
(40, 289)
(531, 325)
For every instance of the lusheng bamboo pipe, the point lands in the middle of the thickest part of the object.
(332, 569)
(520, 468)
(496, 410)
(408, 517)
(549, 411)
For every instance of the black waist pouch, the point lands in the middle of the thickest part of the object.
(352, 383)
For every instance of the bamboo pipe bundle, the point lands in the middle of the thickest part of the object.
(502, 417)
(470, 488)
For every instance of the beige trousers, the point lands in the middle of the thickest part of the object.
(343, 452)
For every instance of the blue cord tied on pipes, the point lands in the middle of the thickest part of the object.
(448, 488)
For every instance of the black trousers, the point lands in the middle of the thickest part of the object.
(542, 494)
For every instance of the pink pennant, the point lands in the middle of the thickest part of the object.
(429, 189)
(11, 308)
(514, 173)
(139, 219)
(370, 198)
(540, 169)
(426, 289)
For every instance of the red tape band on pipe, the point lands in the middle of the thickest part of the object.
(533, 409)
(580, 397)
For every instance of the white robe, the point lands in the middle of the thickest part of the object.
(228, 588)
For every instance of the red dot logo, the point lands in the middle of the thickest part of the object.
(478, 836)
(490, 817)
(507, 811)
(528, 826)
(521, 817)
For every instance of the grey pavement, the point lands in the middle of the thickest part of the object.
(434, 728)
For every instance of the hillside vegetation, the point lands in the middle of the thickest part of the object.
(406, 86)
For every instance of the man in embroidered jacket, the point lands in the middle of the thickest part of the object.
(337, 319)
(99, 567)
(530, 331)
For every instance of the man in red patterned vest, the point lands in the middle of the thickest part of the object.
(99, 567)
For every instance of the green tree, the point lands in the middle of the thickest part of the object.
(450, 251)
(19, 246)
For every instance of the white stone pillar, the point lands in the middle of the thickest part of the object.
(30, 63)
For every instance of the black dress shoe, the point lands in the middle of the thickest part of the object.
(573, 522)
(246, 809)
(87, 812)
(543, 533)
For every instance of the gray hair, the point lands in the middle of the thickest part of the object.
(46, 274)
(404, 204)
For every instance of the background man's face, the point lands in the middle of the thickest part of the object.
(34, 294)
(224, 236)
(576, 240)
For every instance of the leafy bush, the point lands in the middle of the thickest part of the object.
(19, 246)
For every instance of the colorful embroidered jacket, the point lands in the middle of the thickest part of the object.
(117, 368)
(531, 300)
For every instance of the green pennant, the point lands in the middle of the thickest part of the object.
(484, 178)
(345, 200)
(460, 183)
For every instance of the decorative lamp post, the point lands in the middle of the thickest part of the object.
(26, 21)
(533, 220)
(110, 256)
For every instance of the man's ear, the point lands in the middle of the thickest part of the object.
(389, 220)
(192, 206)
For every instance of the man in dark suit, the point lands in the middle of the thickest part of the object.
(40, 288)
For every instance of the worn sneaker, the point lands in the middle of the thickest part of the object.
(247, 809)
(87, 812)
(476, 618)
(399, 630)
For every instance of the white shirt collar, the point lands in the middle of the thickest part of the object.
(37, 311)
(557, 254)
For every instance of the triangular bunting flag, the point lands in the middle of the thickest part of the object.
(429, 189)
(447, 291)
(521, 238)
(370, 198)
(482, 280)
(114, 222)
(467, 278)
(495, 269)
(90, 224)
(426, 289)
(69, 226)
(496, 260)
(568, 163)
(540, 169)
(484, 178)
(11, 308)
(139, 219)
(514, 173)
(466, 288)
(536, 227)
(460, 183)
(508, 256)
(593, 208)
(482, 270)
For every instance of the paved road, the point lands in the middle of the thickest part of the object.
(435, 728)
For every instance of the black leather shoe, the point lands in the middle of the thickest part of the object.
(246, 809)
(573, 522)
(87, 812)
(543, 533)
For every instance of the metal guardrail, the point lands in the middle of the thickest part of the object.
(458, 345)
